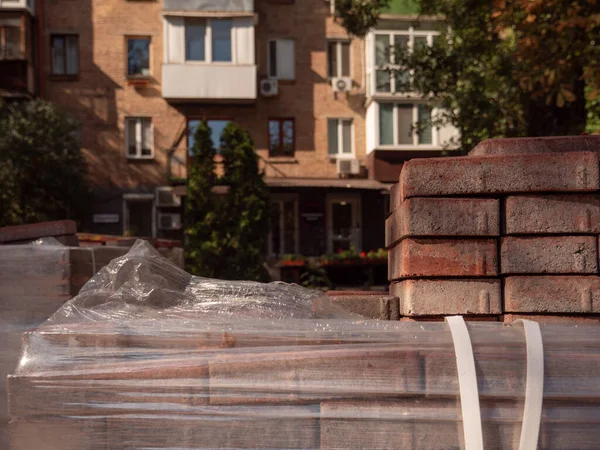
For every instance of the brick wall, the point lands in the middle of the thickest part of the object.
(509, 231)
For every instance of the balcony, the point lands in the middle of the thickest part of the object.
(189, 81)
(233, 6)
(17, 4)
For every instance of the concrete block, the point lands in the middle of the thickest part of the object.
(442, 217)
(552, 294)
(546, 144)
(395, 198)
(370, 306)
(533, 214)
(450, 296)
(549, 254)
(501, 174)
(443, 258)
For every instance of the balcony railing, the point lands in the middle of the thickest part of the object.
(238, 6)
(209, 82)
(17, 4)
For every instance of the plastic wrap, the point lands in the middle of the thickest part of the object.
(149, 357)
(33, 284)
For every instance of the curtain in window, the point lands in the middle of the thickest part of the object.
(332, 136)
(345, 59)
(58, 55)
(221, 39)
(405, 124)
(386, 124)
(288, 137)
(147, 137)
(72, 52)
(195, 32)
(425, 131)
(346, 136)
(131, 137)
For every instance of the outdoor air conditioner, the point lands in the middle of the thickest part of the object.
(166, 198)
(269, 87)
(348, 166)
(169, 221)
(341, 84)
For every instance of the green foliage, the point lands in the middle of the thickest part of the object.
(226, 236)
(506, 69)
(358, 16)
(316, 278)
(43, 174)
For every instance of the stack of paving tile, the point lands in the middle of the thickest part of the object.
(149, 357)
(35, 280)
(510, 229)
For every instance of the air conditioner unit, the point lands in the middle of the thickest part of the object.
(269, 87)
(348, 166)
(166, 198)
(169, 221)
(341, 84)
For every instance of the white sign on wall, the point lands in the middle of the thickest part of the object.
(105, 218)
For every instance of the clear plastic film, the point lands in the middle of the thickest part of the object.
(149, 357)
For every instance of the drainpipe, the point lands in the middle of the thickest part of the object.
(39, 14)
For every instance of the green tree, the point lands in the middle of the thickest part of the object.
(508, 68)
(226, 234)
(359, 16)
(43, 174)
(201, 214)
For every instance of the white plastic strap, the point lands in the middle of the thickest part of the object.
(534, 386)
(467, 383)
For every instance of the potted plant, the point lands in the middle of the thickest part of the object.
(293, 260)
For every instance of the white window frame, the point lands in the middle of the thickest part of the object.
(135, 197)
(139, 137)
(278, 76)
(208, 42)
(281, 199)
(338, 49)
(435, 141)
(354, 199)
(411, 33)
(340, 136)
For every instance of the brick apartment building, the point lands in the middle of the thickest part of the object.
(138, 75)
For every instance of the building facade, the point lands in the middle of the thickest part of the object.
(17, 49)
(328, 126)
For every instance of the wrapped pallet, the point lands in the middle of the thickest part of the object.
(150, 357)
(35, 280)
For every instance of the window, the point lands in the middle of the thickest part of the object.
(208, 40)
(139, 136)
(338, 58)
(339, 137)
(10, 42)
(283, 230)
(281, 137)
(138, 57)
(406, 124)
(138, 215)
(389, 76)
(216, 130)
(343, 222)
(65, 54)
(281, 59)
(221, 40)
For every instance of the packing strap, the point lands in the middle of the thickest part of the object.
(469, 394)
(467, 383)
